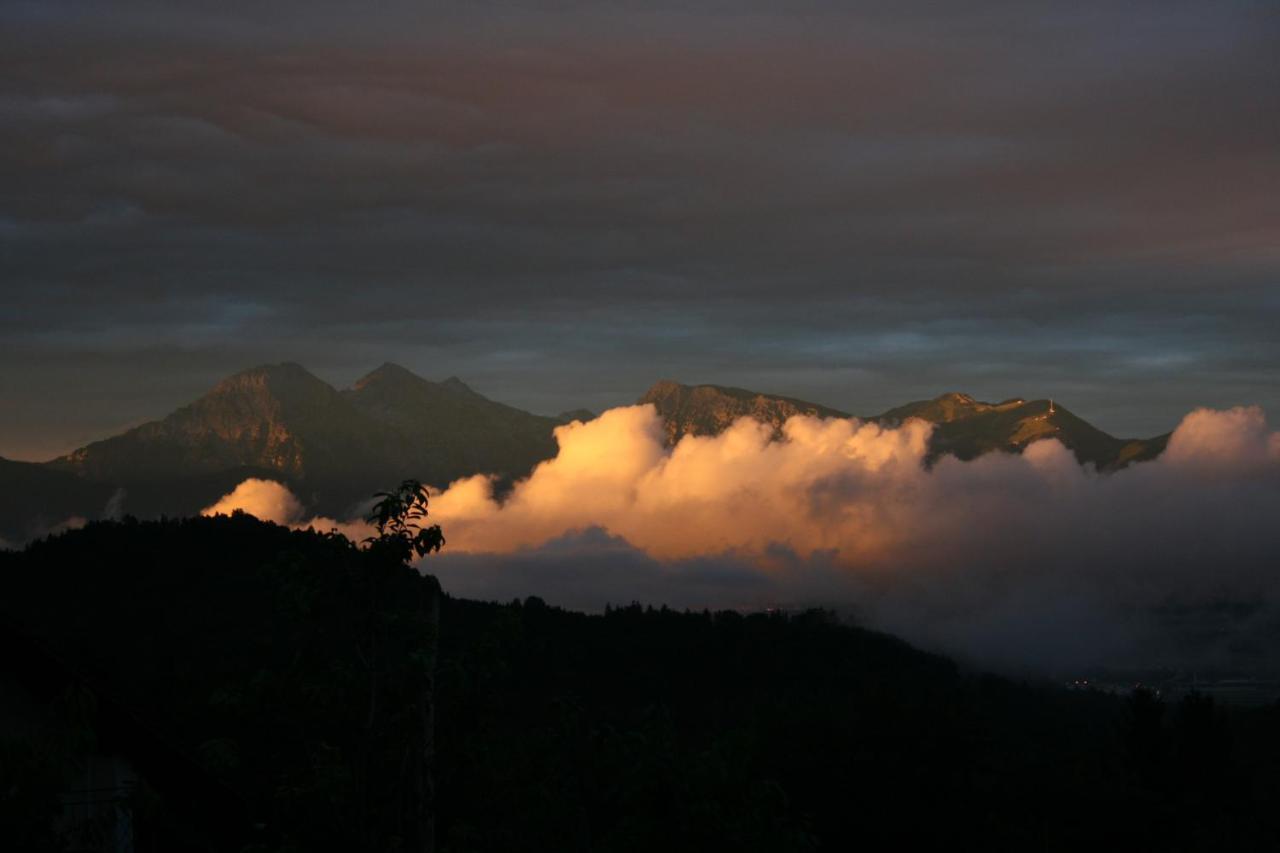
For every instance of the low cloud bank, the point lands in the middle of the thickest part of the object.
(1011, 560)
(272, 501)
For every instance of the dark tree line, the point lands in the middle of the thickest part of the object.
(293, 671)
(293, 667)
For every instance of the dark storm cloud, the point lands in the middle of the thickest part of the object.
(563, 203)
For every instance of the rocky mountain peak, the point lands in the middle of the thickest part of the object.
(453, 383)
(286, 383)
(388, 374)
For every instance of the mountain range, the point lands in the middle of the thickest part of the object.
(334, 447)
(331, 447)
(964, 427)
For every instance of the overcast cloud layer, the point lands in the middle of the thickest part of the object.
(561, 203)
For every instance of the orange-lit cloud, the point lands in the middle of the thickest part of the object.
(271, 501)
(853, 490)
(1003, 557)
(827, 485)
(264, 499)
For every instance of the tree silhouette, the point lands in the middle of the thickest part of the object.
(1146, 737)
(398, 517)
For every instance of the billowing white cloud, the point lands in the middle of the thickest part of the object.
(271, 501)
(263, 499)
(1007, 558)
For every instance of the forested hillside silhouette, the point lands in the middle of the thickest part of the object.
(283, 670)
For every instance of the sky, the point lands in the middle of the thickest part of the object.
(856, 204)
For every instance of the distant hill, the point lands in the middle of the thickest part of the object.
(710, 409)
(35, 499)
(576, 415)
(966, 428)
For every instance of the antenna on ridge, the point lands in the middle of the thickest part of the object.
(1051, 405)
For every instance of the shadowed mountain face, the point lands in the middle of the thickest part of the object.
(966, 427)
(278, 418)
(333, 447)
(446, 430)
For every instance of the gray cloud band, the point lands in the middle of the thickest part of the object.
(856, 208)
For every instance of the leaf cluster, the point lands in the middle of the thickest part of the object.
(399, 517)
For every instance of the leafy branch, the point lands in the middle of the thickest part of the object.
(399, 517)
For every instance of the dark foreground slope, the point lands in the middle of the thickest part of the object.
(283, 666)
